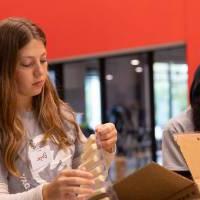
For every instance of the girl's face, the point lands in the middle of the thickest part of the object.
(31, 70)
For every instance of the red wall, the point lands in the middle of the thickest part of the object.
(92, 26)
(84, 27)
(192, 31)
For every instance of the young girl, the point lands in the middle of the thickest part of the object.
(39, 137)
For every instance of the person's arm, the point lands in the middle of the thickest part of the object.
(63, 187)
(172, 156)
(33, 194)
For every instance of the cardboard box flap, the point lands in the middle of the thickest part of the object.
(190, 147)
(153, 182)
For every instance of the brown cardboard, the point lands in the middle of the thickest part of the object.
(154, 182)
(190, 147)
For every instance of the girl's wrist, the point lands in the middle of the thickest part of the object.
(45, 191)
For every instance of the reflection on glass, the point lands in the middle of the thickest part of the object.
(170, 88)
(92, 98)
(81, 89)
(161, 89)
(179, 77)
(128, 107)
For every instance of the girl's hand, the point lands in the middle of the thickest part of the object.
(107, 134)
(66, 186)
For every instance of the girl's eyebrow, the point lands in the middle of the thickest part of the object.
(43, 54)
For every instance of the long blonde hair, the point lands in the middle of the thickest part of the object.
(15, 33)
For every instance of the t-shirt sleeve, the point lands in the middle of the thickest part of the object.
(172, 156)
(33, 194)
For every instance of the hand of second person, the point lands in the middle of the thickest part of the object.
(107, 134)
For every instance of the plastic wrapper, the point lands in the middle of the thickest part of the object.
(92, 159)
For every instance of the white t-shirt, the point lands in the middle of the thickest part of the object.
(38, 163)
(172, 156)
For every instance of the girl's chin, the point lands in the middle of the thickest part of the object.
(35, 93)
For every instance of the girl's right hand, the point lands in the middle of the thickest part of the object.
(66, 186)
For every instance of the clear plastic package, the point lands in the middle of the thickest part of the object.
(92, 159)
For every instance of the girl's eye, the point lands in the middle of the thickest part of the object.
(43, 61)
(26, 65)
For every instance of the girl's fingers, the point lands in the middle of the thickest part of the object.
(76, 181)
(108, 143)
(83, 197)
(109, 135)
(105, 128)
(76, 173)
(70, 196)
(78, 190)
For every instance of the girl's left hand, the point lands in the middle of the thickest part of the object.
(107, 134)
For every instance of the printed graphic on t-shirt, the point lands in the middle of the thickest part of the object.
(45, 162)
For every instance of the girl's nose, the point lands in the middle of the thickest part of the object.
(39, 70)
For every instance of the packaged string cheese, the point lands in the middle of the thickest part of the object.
(92, 159)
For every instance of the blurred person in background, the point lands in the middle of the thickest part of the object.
(188, 121)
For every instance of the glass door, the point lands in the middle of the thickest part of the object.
(170, 88)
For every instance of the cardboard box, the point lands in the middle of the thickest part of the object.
(154, 182)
